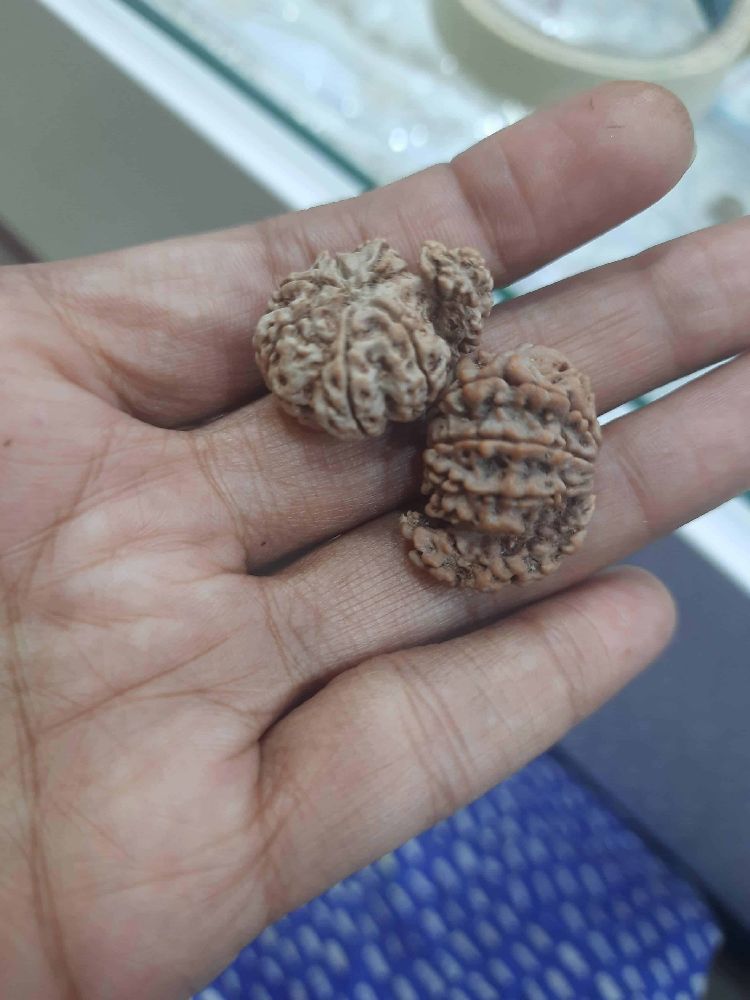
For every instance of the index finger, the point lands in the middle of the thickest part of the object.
(173, 320)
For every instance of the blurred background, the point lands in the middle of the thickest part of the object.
(123, 121)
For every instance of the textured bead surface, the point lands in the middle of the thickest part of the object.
(357, 340)
(508, 471)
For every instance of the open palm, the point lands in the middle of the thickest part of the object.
(192, 740)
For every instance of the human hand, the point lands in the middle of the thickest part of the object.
(189, 747)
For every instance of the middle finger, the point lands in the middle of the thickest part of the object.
(632, 326)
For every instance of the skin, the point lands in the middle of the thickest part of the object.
(191, 745)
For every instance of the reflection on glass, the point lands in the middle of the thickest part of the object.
(631, 28)
(380, 88)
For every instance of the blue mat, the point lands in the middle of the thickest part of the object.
(536, 891)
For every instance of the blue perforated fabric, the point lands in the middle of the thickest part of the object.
(536, 891)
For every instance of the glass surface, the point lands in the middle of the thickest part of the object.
(380, 93)
(378, 90)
